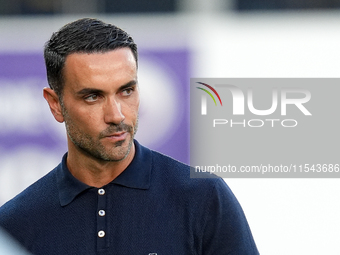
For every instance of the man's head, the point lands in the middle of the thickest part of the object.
(92, 71)
(82, 36)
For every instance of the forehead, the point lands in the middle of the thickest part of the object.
(114, 66)
(120, 56)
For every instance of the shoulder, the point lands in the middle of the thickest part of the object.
(22, 208)
(179, 177)
(171, 169)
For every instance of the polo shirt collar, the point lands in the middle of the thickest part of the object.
(136, 176)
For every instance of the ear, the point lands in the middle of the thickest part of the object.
(55, 106)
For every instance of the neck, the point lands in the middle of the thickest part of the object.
(95, 172)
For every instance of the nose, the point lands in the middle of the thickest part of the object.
(113, 112)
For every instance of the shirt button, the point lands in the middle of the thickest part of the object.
(101, 191)
(101, 213)
(101, 233)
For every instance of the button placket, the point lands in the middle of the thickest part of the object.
(101, 220)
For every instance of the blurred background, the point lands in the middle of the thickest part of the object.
(179, 39)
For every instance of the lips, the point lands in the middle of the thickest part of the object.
(118, 136)
(116, 132)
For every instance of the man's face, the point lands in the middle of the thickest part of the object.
(100, 103)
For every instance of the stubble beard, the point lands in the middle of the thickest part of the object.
(94, 147)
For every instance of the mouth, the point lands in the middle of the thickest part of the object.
(116, 133)
(117, 136)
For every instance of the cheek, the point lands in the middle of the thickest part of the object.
(82, 119)
(132, 111)
(130, 107)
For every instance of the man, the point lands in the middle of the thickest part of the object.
(111, 195)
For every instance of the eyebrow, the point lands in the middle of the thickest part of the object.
(131, 83)
(87, 91)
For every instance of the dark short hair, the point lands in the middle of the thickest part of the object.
(81, 36)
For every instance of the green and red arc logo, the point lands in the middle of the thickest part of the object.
(209, 93)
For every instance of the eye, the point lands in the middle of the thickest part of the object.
(127, 92)
(91, 98)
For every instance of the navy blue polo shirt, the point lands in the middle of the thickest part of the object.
(152, 207)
